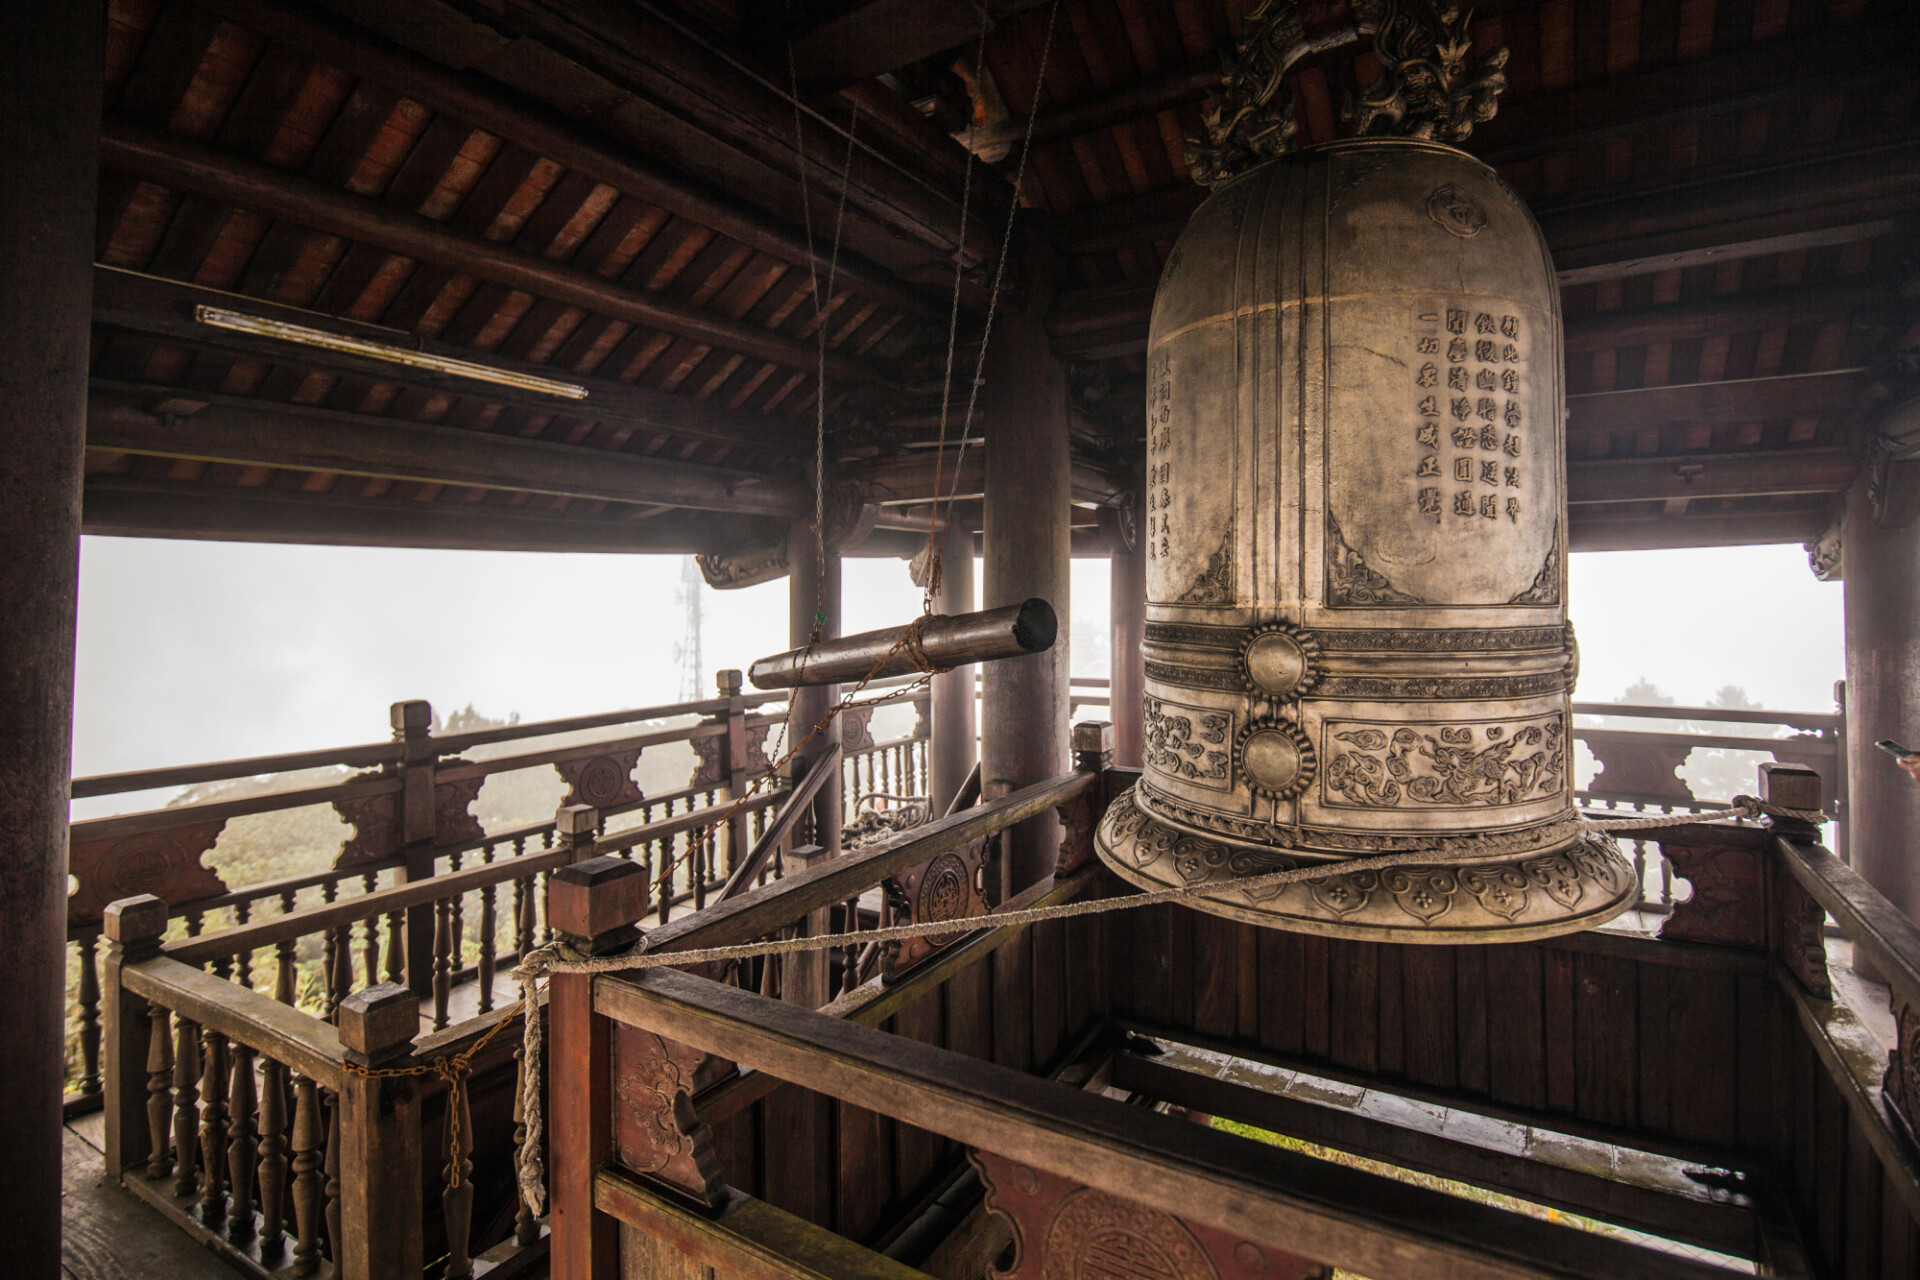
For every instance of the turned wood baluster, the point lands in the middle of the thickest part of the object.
(286, 980)
(213, 1126)
(456, 921)
(332, 1191)
(342, 969)
(522, 916)
(306, 1177)
(370, 942)
(456, 1202)
(89, 1016)
(243, 1152)
(273, 1158)
(396, 959)
(329, 958)
(160, 1092)
(489, 926)
(186, 1106)
(243, 963)
(442, 966)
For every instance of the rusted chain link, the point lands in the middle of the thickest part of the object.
(451, 1068)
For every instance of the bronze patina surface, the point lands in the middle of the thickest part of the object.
(1356, 638)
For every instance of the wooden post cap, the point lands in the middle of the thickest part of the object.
(411, 717)
(380, 1021)
(134, 920)
(1791, 786)
(729, 682)
(576, 819)
(595, 903)
(1093, 736)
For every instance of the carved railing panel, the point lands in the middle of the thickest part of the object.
(948, 886)
(605, 781)
(163, 862)
(1063, 1228)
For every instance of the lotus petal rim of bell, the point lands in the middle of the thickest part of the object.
(1578, 880)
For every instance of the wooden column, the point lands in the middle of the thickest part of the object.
(1880, 550)
(592, 905)
(805, 595)
(952, 750)
(412, 723)
(50, 72)
(1028, 550)
(380, 1214)
(1127, 624)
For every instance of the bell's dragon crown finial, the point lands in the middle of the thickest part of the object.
(1426, 89)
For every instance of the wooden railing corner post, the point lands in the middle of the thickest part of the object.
(731, 685)
(133, 928)
(592, 906)
(1796, 923)
(575, 827)
(1092, 754)
(412, 723)
(381, 1234)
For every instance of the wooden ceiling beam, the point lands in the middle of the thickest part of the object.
(1594, 529)
(186, 166)
(882, 35)
(255, 433)
(1735, 313)
(913, 477)
(1802, 395)
(1601, 480)
(499, 110)
(144, 304)
(1772, 207)
(695, 106)
(127, 507)
(1800, 66)
(1145, 97)
(1714, 217)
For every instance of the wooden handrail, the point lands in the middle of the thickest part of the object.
(762, 910)
(333, 915)
(693, 819)
(1815, 720)
(455, 770)
(368, 756)
(1351, 1218)
(1877, 927)
(128, 824)
(282, 1032)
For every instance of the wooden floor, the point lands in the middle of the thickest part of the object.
(109, 1235)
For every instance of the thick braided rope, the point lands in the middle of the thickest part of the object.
(560, 958)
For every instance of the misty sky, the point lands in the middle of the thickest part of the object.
(195, 651)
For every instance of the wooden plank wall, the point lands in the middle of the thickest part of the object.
(1664, 1040)
(1853, 1221)
(855, 1172)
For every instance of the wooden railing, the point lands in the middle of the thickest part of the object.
(411, 820)
(1717, 1094)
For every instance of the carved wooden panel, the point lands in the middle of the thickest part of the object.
(947, 887)
(655, 1131)
(453, 818)
(709, 768)
(1729, 901)
(377, 830)
(1065, 1231)
(1077, 820)
(856, 733)
(1630, 765)
(1799, 933)
(602, 781)
(164, 863)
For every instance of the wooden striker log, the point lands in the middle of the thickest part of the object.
(1009, 632)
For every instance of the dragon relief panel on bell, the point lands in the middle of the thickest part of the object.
(1356, 641)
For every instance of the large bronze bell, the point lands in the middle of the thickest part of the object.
(1356, 637)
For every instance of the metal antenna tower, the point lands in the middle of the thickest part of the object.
(688, 653)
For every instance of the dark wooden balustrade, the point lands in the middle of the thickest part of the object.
(411, 824)
(1698, 1081)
